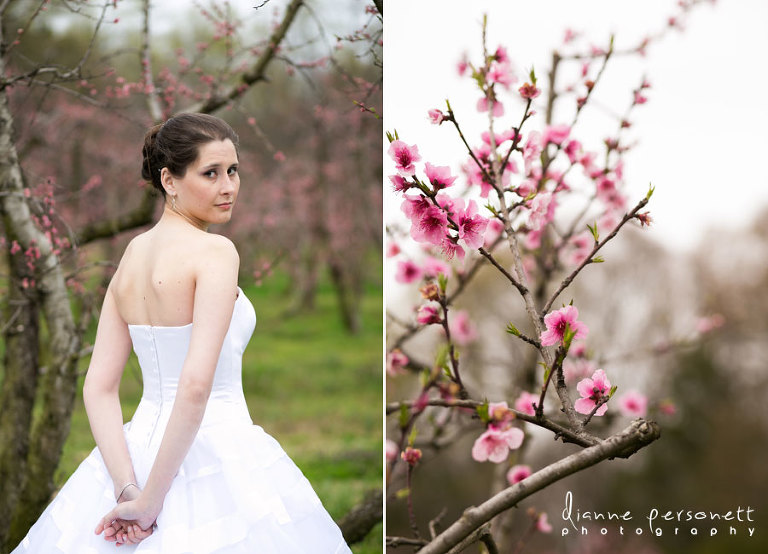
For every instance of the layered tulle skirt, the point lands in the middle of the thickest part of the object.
(236, 492)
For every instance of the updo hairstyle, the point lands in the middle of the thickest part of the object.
(176, 144)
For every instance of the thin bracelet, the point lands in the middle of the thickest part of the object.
(119, 496)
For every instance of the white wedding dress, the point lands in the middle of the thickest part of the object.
(236, 491)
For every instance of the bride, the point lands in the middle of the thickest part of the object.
(190, 472)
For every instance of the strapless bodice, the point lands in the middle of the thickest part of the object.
(161, 352)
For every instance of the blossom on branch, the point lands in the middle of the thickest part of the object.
(408, 272)
(439, 176)
(517, 473)
(404, 157)
(558, 322)
(462, 329)
(396, 362)
(529, 91)
(494, 445)
(592, 391)
(525, 402)
(428, 314)
(411, 456)
(471, 225)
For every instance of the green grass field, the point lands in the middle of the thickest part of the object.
(312, 386)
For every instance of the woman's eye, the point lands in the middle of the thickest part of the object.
(232, 171)
(211, 173)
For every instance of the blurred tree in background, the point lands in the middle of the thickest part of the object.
(81, 83)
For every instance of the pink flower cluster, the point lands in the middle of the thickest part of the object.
(436, 218)
(499, 438)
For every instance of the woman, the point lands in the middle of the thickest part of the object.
(190, 472)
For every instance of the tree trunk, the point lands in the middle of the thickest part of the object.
(17, 396)
(63, 340)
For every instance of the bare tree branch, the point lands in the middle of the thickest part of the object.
(639, 434)
(258, 71)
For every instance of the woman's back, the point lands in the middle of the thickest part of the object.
(155, 282)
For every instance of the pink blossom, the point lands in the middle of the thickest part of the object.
(709, 323)
(501, 73)
(15, 247)
(533, 239)
(525, 402)
(494, 445)
(581, 245)
(450, 248)
(633, 404)
(532, 148)
(592, 391)
(499, 138)
(529, 91)
(399, 184)
(462, 66)
(639, 98)
(518, 473)
(428, 314)
(493, 231)
(404, 157)
(392, 250)
(411, 456)
(414, 206)
(463, 331)
(558, 321)
(572, 149)
(556, 134)
(436, 117)
(433, 267)
(501, 55)
(542, 210)
(498, 107)
(439, 176)
(471, 225)
(431, 227)
(408, 272)
(396, 362)
(391, 450)
(542, 524)
(499, 414)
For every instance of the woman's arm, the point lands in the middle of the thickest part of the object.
(101, 392)
(215, 289)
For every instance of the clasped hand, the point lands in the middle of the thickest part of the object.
(131, 521)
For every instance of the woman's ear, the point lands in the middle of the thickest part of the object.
(166, 179)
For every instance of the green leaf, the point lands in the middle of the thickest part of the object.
(448, 105)
(442, 282)
(403, 493)
(593, 230)
(568, 335)
(546, 373)
(404, 416)
(651, 188)
(613, 390)
(482, 412)
(441, 360)
(512, 330)
(532, 75)
(597, 260)
(412, 436)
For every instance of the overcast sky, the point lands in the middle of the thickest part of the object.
(701, 136)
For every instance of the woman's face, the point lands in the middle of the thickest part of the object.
(207, 192)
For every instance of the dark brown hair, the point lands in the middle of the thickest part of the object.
(176, 144)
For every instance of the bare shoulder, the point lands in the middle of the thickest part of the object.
(217, 254)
